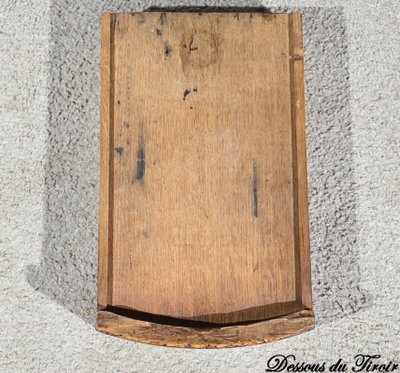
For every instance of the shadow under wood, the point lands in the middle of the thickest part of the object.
(68, 268)
(167, 320)
(209, 9)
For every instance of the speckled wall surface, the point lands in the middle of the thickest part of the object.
(49, 92)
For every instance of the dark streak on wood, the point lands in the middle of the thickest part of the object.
(185, 93)
(141, 159)
(163, 16)
(255, 190)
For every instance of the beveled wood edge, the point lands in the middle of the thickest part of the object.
(104, 235)
(300, 157)
(218, 337)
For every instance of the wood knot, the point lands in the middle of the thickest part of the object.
(198, 50)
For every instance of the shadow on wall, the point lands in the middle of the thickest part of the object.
(68, 268)
(332, 188)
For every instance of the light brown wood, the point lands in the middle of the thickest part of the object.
(203, 181)
(300, 161)
(106, 140)
(228, 336)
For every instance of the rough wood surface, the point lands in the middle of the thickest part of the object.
(203, 195)
(105, 190)
(302, 237)
(229, 336)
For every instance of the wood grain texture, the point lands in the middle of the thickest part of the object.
(203, 181)
(106, 139)
(229, 336)
(302, 235)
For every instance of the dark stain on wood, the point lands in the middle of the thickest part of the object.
(140, 159)
(119, 150)
(268, 16)
(158, 32)
(185, 93)
(167, 51)
(163, 17)
(255, 190)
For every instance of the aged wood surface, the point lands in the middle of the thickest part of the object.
(105, 190)
(303, 269)
(203, 182)
(229, 336)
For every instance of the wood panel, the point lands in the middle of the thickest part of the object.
(203, 195)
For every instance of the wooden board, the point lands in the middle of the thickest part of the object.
(203, 185)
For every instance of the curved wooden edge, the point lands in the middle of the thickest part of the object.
(210, 337)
